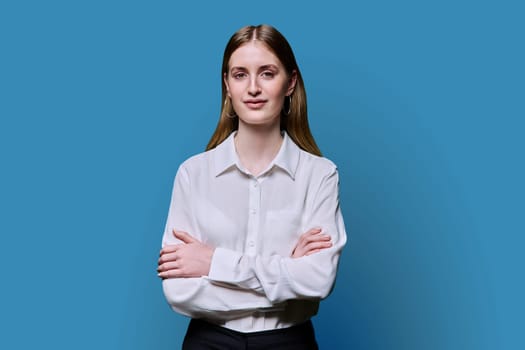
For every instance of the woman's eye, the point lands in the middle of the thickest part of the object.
(239, 75)
(268, 74)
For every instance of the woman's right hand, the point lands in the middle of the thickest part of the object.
(311, 242)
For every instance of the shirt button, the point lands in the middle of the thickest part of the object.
(255, 184)
(253, 211)
(251, 243)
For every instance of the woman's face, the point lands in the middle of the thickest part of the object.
(257, 84)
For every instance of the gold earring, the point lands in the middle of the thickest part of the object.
(228, 114)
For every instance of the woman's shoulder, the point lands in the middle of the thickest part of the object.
(319, 163)
(197, 161)
(307, 160)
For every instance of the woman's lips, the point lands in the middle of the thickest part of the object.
(255, 104)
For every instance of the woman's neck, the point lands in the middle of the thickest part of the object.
(257, 146)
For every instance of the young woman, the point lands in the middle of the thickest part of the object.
(254, 230)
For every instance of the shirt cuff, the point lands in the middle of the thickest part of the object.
(224, 265)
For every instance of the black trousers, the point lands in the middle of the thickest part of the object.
(202, 335)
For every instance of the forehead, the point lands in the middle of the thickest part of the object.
(253, 54)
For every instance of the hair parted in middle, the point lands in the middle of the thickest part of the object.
(295, 123)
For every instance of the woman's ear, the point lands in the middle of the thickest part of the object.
(225, 79)
(291, 83)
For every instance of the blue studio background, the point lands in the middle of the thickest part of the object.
(420, 103)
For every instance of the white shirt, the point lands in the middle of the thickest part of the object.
(255, 222)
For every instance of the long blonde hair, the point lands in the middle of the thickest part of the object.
(295, 123)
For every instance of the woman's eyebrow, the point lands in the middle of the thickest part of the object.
(268, 66)
(263, 67)
(237, 68)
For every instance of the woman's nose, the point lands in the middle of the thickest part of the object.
(254, 88)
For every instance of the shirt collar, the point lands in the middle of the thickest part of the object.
(288, 156)
(225, 156)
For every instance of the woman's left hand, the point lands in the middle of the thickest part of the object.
(191, 258)
(311, 242)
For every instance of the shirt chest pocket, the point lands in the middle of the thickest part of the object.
(282, 229)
